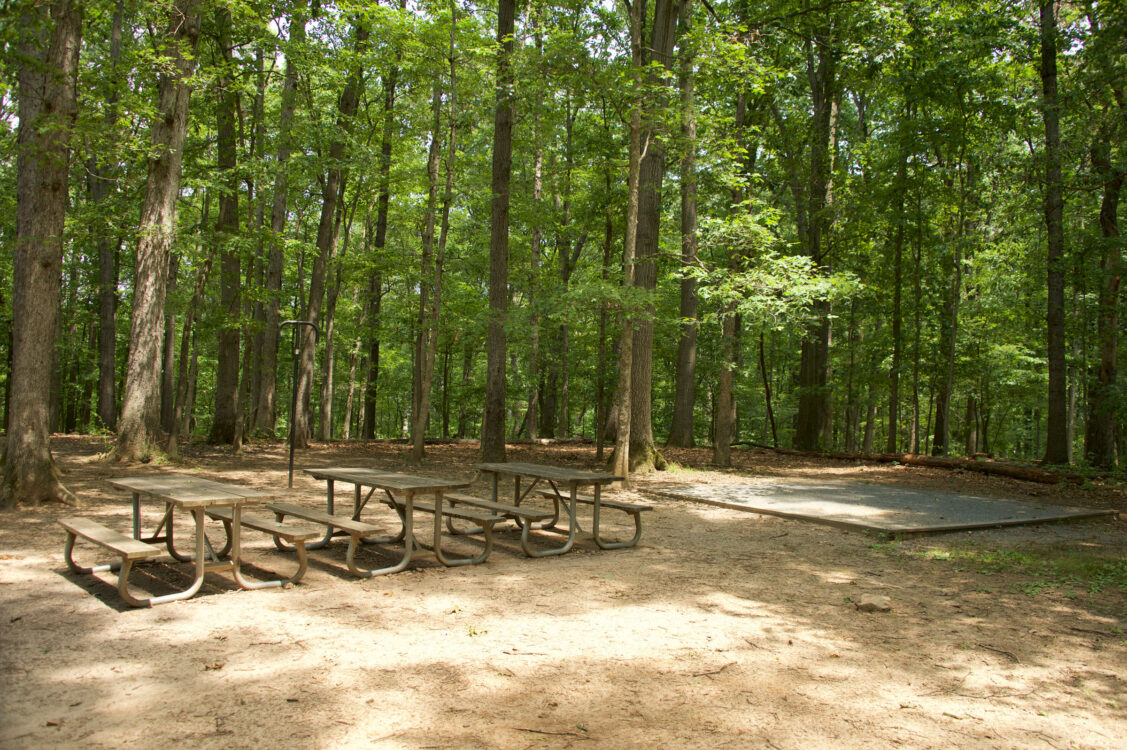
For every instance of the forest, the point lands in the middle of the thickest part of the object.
(887, 226)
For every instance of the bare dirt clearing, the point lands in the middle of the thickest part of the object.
(722, 628)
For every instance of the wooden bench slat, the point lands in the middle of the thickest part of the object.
(589, 500)
(343, 523)
(530, 514)
(267, 525)
(124, 545)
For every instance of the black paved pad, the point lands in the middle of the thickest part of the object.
(876, 507)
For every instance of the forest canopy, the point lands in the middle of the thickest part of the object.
(857, 226)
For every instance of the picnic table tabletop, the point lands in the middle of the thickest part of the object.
(548, 472)
(190, 492)
(387, 480)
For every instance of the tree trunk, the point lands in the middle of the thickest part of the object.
(187, 350)
(326, 238)
(643, 451)
(168, 365)
(47, 110)
(1056, 447)
(620, 459)
(101, 184)
(430, 284)
(223, 424)
(1103, 394)
(493, 427)
(725, 398)
(328, 356)
(138, 428)
(266, 412)
(684, 390)
(897, 284)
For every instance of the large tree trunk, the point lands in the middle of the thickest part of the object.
(224, 421)
(326, 239)
(267, 409)
(47, 108)
(684, 389)
(493, 426)
(643, 451)
(1056, 444)
(812, 422)
(101, 184)
(138, 428)
(1103, 395)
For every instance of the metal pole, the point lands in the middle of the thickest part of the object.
(296, 364)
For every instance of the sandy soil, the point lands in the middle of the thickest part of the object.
(721, 629)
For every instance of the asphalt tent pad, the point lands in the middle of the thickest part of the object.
(885, 508)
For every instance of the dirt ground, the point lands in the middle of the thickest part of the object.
(723, 628)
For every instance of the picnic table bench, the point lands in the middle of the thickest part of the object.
(126, 547)
(525, 518)
(632, 509)
(295, 535)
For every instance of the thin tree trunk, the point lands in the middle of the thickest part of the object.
(187, 351)
(1056, 448)
(897, 284)
(326, 237)
(138, 428)
(684, 389)
(101, 184)
(620, 460)
(493, 427)
(168, 366)
(224, 421)
(266, 412)
(426, 334)
(47, 111)
(1103, 395)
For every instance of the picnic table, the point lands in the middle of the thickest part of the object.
(193, 495)
(570, 480)
(400, 491)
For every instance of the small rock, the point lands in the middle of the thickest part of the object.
(874, 603)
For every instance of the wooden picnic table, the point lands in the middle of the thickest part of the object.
(194, 495)
(556, 477)
(400, 491)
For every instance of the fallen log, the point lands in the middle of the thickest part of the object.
(997, 468)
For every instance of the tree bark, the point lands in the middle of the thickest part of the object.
(1103, 394)
(138, 428)
(814, 396)
(1056, 445)
(684, 389)
(430, 286)
(620, 459)
(108, 243)
(266, 412)
(643, 451)
(51, 37)
(493, 427)
(225, 415)
(326, 238)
